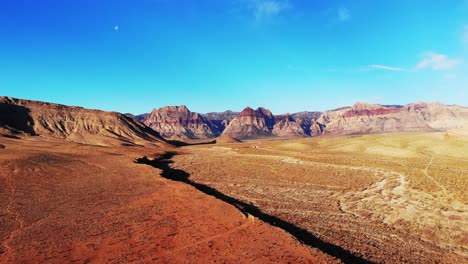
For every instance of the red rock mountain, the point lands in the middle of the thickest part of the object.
(365, 118)
(177, 122)
(251, 123)
(20, 118)
(286, 126)
(261, 122)
(361, 118)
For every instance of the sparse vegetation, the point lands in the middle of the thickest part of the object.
(391, 198)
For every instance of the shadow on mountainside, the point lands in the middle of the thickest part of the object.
(179, 143)
(16, 119)
(163, 162)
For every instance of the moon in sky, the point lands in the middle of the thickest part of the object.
(116, 28)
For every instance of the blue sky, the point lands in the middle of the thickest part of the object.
(286, 55)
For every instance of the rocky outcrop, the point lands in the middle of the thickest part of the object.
(177, 122)
(19, 118)
(365, 118)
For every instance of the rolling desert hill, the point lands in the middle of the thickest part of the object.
(20, 118)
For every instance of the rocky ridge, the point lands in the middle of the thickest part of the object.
(19, 118)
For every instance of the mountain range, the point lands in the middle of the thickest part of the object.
(177, 122)
(26, 117)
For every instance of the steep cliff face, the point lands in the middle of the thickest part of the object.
(177, 122)
(25, 117)
(419, 117)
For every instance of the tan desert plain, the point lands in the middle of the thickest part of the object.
(88, 186)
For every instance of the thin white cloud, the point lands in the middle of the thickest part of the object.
(449, 76)
(344, 14)
(264, 10)
(436, 62)
(384, 67)
(465, 35)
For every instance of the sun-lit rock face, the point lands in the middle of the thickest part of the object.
(365, 118)
(26, 117)
(177, 122)
(251, 123)
(261, 122)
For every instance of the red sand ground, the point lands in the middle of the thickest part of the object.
(67, 202)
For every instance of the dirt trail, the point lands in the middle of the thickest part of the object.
(432, 179)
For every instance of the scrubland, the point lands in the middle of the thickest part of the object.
(387, 198)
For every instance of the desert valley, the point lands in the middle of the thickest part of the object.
(362, 184)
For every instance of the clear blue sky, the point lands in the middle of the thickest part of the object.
(286, 55)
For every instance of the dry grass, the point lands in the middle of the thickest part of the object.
(390, 198)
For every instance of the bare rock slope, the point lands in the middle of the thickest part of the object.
(20, 118)
(261, 122)
(365, 118)
(251, 123)
(177, 122)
